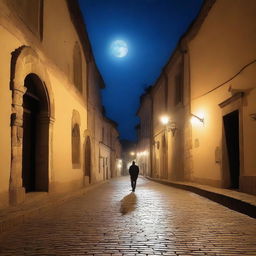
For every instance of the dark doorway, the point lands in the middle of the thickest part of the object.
(35, 146)
(231, 126)
(31, 109)
(87, 160)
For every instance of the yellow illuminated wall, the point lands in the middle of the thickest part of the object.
(221, 65)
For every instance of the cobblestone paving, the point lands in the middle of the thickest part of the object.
(155, 220)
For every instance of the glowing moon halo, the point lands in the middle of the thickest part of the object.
(119, 48)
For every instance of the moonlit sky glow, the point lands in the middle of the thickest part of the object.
(151, 30)
(119, 48)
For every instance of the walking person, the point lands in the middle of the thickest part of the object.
(134, 172)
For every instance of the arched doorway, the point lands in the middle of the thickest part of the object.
(35, 143)
(26, 65)
(87, 159)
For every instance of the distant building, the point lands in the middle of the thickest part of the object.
(128, 154)
(50, 117)
(102, 134)
(207, 90)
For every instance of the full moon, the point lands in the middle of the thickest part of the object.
(119, 48)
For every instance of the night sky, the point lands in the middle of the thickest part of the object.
(151, 30)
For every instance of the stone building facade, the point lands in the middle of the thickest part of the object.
(207, 89)
(102, 135)
(144, 134)
(47, 72)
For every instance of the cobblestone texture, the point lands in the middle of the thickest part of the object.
(155, 220)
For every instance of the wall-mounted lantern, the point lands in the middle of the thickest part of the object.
(172, 127)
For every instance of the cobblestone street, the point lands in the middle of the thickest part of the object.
(155, 220)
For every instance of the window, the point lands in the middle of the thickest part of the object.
(76, 145)
(77, 68)
(178, 89)
(75, 140)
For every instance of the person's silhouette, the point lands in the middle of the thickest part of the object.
(134, 172)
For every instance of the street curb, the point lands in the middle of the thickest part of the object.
(227, 201)
(20, 216)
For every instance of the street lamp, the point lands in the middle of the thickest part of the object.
(171, 126)
(197, 119)
(165, 119)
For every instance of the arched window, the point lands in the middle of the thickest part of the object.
(77, 68)
(87, 158)
(178, 89)
(76, 140)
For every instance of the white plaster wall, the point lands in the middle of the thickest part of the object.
(208, 136)
(249, 136)
(224, 44)
(65, 103)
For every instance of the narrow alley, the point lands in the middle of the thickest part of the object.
(155, 220)
(93, 91)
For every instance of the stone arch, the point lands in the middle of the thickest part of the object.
(76, 140)
(26, 63)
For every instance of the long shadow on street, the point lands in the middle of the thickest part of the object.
(128, 203)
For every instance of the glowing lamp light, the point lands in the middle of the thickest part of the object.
(164, 119)
(197, 120)
(132, 153)
(194, 120)
(145, 153)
